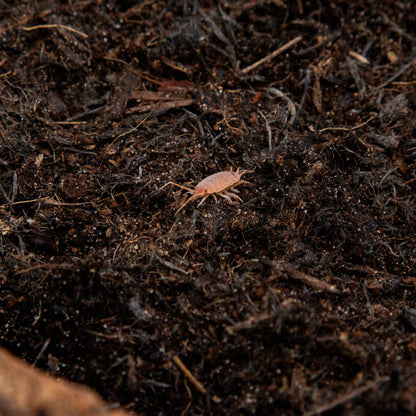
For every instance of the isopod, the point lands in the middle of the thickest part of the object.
(221, 183)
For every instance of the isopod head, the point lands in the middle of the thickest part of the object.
(201, 189)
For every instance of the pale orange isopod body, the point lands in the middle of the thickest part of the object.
(221, 183)
(216, 183)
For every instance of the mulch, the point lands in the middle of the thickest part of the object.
(299, 300)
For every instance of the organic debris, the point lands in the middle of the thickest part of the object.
(297, 299)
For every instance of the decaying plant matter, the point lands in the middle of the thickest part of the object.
(300, 300)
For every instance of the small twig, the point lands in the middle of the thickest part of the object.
(359, 82)
(410, 181)
(170, 265)
(345, 398)
(5, 74)
(309, 280)
(87, 113)
(42, 350)
(51, 26)
(368, 303)
(306, 82)
(395, 28)
(404, 83)
(162, 106)
(317, 90)
(269, 130)
(317, 45)
(5, 196)
(49, 201)
(359, 57)
(248, 323)
(49, 266)
(189, 375)
(291, 105)
(272, 55)
(295, 274)
(197, 119)
(74, 123)
(300, 6)
(345, 128)
(37, 317)
(401, 71)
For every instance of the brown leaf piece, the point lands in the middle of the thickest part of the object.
(26, 391)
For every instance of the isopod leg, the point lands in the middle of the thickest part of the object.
(202, 200)
(180, 186)
(241, 182)
(243, 172)
(186, 203)
(233, 195)
(229, 196)
(225, 196)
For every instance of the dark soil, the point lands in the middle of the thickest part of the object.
(301, 299)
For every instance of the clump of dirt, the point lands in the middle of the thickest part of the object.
(301, 299)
